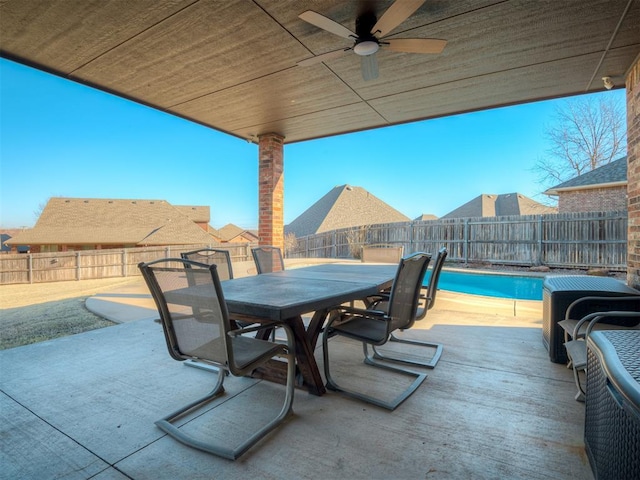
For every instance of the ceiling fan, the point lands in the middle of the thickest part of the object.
(370, 36)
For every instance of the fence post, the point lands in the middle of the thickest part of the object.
(30, 268)
(77, 265)
(167, 252)
(334, 247)
(465, 245)
(540, 226)
(124, 262)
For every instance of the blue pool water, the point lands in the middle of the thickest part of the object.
(503, 286)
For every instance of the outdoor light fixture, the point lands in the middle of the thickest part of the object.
(368, 47)
(608, 83)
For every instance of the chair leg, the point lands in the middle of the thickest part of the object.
(222, 450)
(389, 405)
(202, 366)
(431, 363)
(166, 423)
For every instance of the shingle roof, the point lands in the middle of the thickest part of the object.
(198, 213)
(343, 207)
(491, 205)
(424, 217)
(612, 174)
(112, 221)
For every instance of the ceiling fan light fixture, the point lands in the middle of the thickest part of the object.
(367, 47)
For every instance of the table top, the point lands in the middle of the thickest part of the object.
(293, 292)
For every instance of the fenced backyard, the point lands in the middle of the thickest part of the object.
(579, 240)
(90, 264)
(576, 240)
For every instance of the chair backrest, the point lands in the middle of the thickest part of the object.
(268, 259)
(432, 288)
(212, 256)
(382, 253)
(192, 309)
(405, 291)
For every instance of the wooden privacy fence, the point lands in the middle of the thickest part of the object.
(568, 240)
(90, 264)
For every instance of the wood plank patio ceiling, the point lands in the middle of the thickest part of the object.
(231, 65)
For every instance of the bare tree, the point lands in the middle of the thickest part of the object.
(588, 132)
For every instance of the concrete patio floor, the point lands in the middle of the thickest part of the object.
(495, 407)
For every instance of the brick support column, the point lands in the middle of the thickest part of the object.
(633, 174)
(271, 190)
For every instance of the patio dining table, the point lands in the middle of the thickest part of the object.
(287, 295)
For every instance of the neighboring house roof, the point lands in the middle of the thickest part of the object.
(491, 205)
(613, 174)
(230, 232)
(198, 214)
(425, 216)
(73, 221)
(8, 234)
(343, 207)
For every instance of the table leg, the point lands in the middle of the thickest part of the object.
(305, 358)
(306, 362)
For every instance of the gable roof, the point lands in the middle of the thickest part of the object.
(613, 174)
(231, 231)
(111, 221)
(425, 217)
(492, 205)
(343, 207)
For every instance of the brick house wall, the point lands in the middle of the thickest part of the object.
(633, 173)
(593, 200)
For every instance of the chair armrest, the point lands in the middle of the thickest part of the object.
(254, 328)
(361, 311)
(601, 315)
(610, 300)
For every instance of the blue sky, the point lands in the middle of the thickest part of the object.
(58, 138)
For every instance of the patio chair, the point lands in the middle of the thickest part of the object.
(427, 301)
(211, 256)
(196, 325)
(268, 259)
(374, 327)
(222, 259)
(620, 313)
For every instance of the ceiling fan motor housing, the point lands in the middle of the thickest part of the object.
(366, 43)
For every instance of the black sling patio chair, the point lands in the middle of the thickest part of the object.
(268, 259)
(374, 327)
(212, 256)
(222, 259)
(427, 301)
(196, 326)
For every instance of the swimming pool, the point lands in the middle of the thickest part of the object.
(504, 286)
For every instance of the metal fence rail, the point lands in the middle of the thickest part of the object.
(569, 240)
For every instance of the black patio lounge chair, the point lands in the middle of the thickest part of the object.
(615, 313)
(427, 301)
(268, 259)
(196, 325)
(374, 327)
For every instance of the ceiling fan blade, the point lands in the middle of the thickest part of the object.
(397, 13)
(327, 24)
(369, 67)
(414, 45)
(323, 57)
